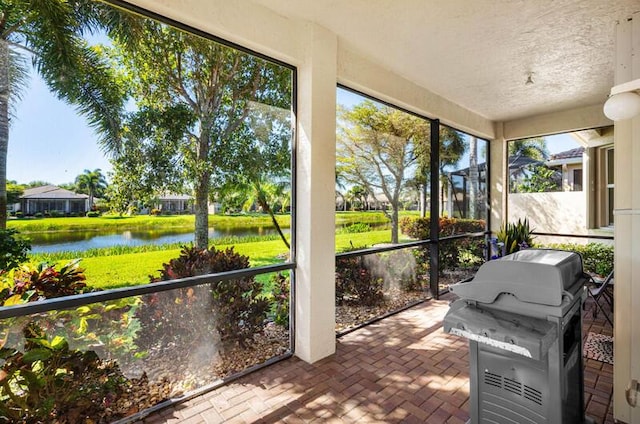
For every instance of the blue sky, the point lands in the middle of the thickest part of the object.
(48, 141)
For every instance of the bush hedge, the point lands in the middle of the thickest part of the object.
(233, 310)
(449, 252)
(597, 258)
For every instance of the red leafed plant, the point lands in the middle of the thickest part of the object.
(30, 283)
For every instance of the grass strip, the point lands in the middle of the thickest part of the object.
(147, 222)
(135, 268)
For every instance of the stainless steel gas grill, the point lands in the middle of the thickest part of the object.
(522, 316)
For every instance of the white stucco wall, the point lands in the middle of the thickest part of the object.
(557, 212)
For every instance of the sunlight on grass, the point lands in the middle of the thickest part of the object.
(121, 266)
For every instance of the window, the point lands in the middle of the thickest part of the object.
(184, 119)
(610, 185)
(577, 180)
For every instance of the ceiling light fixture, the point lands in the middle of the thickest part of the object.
(624, 101)
(529, 80)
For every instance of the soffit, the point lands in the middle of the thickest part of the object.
(478, 54)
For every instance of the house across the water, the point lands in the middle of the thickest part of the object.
(50, 198)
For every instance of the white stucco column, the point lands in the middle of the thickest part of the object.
(627, 229)
(315, 197)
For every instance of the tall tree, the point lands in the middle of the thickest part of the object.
(207, 87)
(523, 154)
(340, 188)
(49, 32)
(377, 148)
(259, 167)
(533, 148)
(452, 147)
(14, 191)
(92, 183)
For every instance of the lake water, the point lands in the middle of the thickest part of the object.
(83, 240)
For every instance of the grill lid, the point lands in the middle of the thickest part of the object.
(532, 275)
(522, 335)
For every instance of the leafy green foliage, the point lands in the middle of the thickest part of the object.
(597, 258)
(234, 310)
(93, 214)
(48, 381)
(195, 101)
(359, 227)
(377, 146)
(540, 179)
(30, 283)
(356, 283)
(515, 236)
(280, 299)
(13, 249)
(14, 191)
(534, 148)
(449, 252)
(92, 183)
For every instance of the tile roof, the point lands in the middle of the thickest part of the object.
(567, 154)
(51, 192)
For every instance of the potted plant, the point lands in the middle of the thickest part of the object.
(515, 236)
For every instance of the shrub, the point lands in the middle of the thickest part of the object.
(356, 283)
(420, 228)
(19, 214)
(280, 302)
(93, 214)
(397, 268)
(449, 251)
(597, 258)
(13, 249)
(38, 215)
(49, 382)
(56, 214)
(154, 212)
(237, 306)
(31, 283)
(515, 236)
(359, 227)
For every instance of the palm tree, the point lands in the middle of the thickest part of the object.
(49, 33)
(262, 193)
(534, 148)
(523, 153)
(92, 183)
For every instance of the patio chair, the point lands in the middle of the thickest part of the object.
(600, 289)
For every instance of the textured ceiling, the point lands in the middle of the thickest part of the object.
(478, 53)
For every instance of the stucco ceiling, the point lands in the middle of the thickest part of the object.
(479, 53)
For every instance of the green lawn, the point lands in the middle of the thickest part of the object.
(120, 267)
(138, 222)
(134, 268)
(141, 222)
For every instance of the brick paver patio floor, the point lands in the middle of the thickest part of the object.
(401, 369)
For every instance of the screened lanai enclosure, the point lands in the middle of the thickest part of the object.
(344, 164)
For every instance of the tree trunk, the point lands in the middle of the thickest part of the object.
(4, 129)
(201, 237)
(265, 207)
(202, 212)
(423, 200)
(473, 179)
(394, 224)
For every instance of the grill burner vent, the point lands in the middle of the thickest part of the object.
(513, 386)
